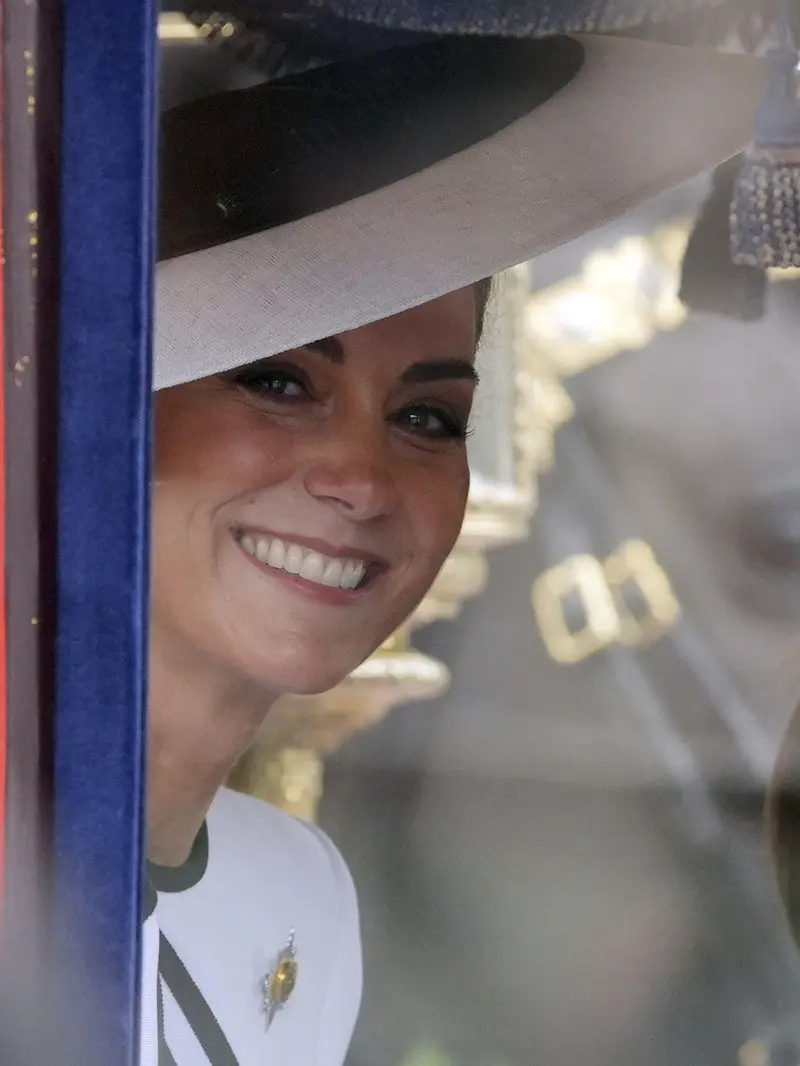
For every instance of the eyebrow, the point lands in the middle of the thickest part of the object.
(417, 374)
(439, 370)
(329, 347)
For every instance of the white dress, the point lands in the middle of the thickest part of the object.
(218, 925)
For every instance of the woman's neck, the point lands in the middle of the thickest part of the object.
(200, 722)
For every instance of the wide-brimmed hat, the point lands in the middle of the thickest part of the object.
(321, 200)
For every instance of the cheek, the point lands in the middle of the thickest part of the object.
(179, 556)
(438, 505)
(213, 453)
(210, 440)
(208, 460)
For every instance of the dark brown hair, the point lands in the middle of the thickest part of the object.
(483, 291)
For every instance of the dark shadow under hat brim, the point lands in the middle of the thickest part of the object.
(376, 201)
(242, 162)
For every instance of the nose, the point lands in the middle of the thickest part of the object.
(352, 470)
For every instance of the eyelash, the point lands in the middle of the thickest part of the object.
(453, 429)
(257, 383)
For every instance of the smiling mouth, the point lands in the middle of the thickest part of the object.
(305, 563)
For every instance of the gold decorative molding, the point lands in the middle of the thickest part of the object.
(543, 405)
(624, 599)
(290, 778)
(173, 26)
(622, 297)
(784, 273)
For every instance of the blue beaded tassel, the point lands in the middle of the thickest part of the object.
(765, 211)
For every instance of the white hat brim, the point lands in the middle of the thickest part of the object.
(638, 119)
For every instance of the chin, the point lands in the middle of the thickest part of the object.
(305, 682)
(315, 686)
(306, 672)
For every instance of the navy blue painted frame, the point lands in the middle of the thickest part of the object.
(107, 268)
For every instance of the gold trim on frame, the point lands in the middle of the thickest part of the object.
(173, 26)
(599, 588)
(621, 299)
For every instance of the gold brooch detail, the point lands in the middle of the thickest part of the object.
(280, 982)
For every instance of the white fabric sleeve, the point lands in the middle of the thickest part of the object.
(343, 995)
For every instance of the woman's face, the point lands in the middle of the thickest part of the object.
(303, 505)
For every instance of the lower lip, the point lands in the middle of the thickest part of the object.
(320, 593)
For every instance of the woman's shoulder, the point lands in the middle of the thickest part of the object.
(259, 833)
(271, 884)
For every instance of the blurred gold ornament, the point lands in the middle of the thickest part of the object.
(621, 299)
(753, 1053)
(173, 26)
(624, 599)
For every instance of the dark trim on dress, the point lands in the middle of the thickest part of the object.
(150, 900)
(179, 878)
(196, 1010)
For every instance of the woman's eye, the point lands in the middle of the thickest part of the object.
(274, 383)
(434, 422)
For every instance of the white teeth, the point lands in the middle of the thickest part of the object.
(293, 560)
(347, 575)
(352, 574)
(333, 573)
(313, 566)
(277, 553)
(307, 564)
